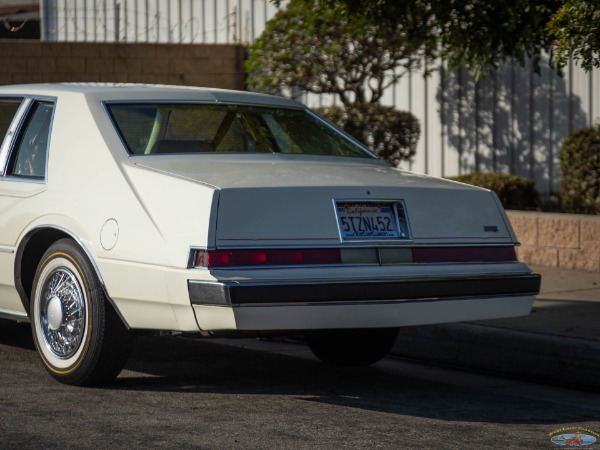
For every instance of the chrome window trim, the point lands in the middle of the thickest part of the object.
(347, 136)
(23, 179)
(199, 102)
(13, 131)
(27, 104)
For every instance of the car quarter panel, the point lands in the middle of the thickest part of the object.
(137, 270)
(19, 203)
(158, 216)
(90, 182)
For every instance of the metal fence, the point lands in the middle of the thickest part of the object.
(512, 122)
(173, 21)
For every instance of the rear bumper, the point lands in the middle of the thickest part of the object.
(321, 316)
(236, 293)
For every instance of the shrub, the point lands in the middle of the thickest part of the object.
(391, 134)
(580, 167)
(513, 191)
(318, 47)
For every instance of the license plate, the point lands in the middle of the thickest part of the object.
(372, 220)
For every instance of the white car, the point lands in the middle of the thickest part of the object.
(221, 213)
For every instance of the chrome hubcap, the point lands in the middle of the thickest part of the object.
(62, 313)
(55, 313)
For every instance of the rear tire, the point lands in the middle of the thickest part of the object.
(79, 336)
(354, 348)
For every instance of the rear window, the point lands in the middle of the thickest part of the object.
(159, 128)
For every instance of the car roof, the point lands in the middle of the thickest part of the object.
(146, 92)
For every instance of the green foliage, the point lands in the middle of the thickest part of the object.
(476, 33)
(391, 134)
(513, 191)
(322, 48)
(580, 167)
(482, 34)
(576, 32)
(319, 48)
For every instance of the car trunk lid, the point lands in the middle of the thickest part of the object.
(271, 200)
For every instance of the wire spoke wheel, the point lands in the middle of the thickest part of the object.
(77, 333)
(63, 313)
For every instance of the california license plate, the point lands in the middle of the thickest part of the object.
(372, 220)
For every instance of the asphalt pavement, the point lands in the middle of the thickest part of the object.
(558, 343)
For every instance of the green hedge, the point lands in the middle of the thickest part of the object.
(514, 192)
(391, 134)
(580, 168)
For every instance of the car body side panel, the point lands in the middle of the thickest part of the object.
(19, 202)
(10, 301)
(153, 233)
(143, 203)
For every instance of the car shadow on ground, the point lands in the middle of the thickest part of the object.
(175, 364)
(16, 334)
(168, 365)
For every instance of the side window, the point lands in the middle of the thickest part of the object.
(8, 109)
(28, 158)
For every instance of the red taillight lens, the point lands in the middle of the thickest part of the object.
(325, 256)
(267, 257)
(463, 254)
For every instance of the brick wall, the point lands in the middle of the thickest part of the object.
(218, 65)
(568, 241)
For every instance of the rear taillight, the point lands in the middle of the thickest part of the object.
(267, 257)
(463, 254)
(346, 256)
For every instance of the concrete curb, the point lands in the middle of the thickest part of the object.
(520, 354)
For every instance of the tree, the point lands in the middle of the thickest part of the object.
(323, 49)
(576, 32)
(479, 34)
(390, 133)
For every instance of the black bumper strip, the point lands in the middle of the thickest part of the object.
(233, 294)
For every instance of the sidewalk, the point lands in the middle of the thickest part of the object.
(559, 342)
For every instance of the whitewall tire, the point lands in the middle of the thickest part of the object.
(77, 333)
